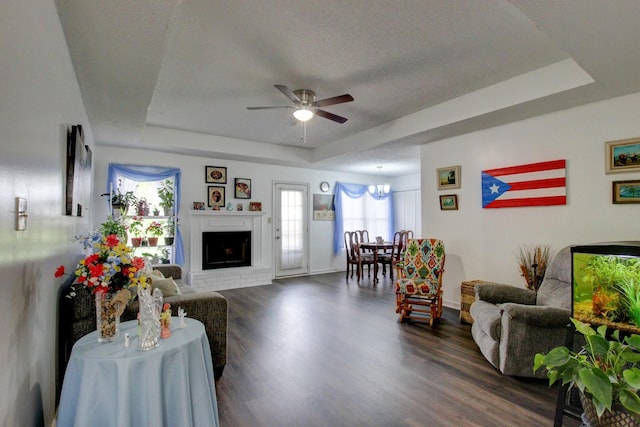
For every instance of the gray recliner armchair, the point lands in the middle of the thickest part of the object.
(512, 324)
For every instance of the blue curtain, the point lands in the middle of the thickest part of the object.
(150, 173)
(354, 191)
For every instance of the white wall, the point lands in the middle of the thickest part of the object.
(39, 98)
(407, 203)
(482, 243)
(262, 177)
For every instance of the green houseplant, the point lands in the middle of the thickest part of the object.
(165, 192)
(122, 201)
(605, 370)
(170, 228)
(113, 226)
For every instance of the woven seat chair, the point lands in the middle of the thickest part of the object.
(419, 290)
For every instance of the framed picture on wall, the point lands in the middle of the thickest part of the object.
(449, 202)
(626, 191)
(215, 174)
(215, 196)
(243, 188)
(622, 155)
(448, 177)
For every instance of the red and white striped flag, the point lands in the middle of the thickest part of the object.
(535, 184)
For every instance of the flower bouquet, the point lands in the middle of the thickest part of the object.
(109, 272)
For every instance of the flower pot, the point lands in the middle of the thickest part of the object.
(617, 417)
(167, 211)
(168, 241)
(153, 241)
(136, 241)
(107, 318)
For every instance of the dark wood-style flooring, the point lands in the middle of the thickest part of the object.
(318, 351)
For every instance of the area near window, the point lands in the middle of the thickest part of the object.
(155, 192)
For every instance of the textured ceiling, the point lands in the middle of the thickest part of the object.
(419, 70)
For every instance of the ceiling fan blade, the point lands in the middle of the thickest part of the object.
(333, 100)
(271, 107)
(330, 116)
(288, 93)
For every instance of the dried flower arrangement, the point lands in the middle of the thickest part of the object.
(533, 262)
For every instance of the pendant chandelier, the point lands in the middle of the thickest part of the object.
(379, 190)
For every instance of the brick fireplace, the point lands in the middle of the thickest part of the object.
(216, 227)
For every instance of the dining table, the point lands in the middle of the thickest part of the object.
(376, 247)
(116, 385)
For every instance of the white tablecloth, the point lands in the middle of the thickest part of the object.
(110, 385)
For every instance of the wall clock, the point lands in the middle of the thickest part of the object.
(324, 186)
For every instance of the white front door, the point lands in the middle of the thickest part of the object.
(291, 229)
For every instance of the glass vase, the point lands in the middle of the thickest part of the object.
(107, 318)
(149, 318)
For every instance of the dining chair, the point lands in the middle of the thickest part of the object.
(388, 258)
(363, 236)
(419, 289)
(355, 257)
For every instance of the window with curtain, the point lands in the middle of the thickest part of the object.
(356, 209)
(137, 178)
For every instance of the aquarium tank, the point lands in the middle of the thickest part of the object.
(606, 285)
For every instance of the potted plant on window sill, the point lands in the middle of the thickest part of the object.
(120, 202)
(135, 228)
(154, 231)
(605, 370)
(170, 228)
(165, 192)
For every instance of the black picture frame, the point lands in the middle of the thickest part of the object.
(626, 191)
(215, 174)
(215, 196)
(242, 188)
(449, 202)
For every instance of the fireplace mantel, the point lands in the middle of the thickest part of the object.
(203, 221)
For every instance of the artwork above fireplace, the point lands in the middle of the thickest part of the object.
(225, 249)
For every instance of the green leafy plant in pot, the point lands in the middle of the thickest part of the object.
(165, 192)
(605, 370)
(121, 201)
(170, 228)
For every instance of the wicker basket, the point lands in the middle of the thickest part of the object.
(618, 417)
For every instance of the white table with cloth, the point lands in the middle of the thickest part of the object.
(110, 385)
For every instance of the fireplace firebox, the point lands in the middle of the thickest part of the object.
(224, 249)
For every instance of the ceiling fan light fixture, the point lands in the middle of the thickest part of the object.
(303, 114)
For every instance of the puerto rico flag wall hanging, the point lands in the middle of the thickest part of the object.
(535, 184)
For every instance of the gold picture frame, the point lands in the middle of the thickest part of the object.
(449, 177)
(622, 155)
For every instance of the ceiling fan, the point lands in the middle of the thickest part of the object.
(305, 104)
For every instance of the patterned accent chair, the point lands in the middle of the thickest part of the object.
(419, 289)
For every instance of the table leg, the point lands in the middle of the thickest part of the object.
(375, 266)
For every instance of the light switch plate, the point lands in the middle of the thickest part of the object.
(21, 214)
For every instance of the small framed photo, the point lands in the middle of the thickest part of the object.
(255, 206)
(622, 155)
(215, 196)
(239, 207)
(198, 206)
(243, 188)
(215, 175)
(448, 177)
(626, 192)
(449, 202)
